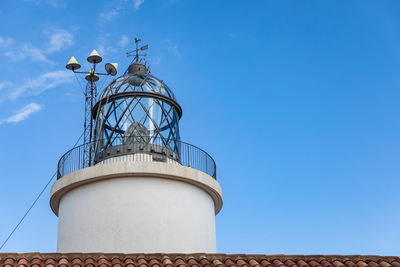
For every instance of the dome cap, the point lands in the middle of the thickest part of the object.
(137, 68)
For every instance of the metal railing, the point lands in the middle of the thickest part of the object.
(133, 150)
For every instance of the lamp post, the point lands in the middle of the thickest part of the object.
(90, 94)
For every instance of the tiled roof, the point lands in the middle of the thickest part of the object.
(191, 260)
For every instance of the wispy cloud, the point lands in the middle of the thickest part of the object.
(109, 15)
(5, 84)
(137, 3)
(173, 48)
(59, 40)
(6, 42)
(106, 45)
(27, 51)
(114, 8)
(41, 84)
(124, 41)
(23, 113)
(156, 60)
(58, 3)
(22, 51)
(53, 3)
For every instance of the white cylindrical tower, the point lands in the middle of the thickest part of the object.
(142, 190)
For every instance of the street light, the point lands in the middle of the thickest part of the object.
(90, 96)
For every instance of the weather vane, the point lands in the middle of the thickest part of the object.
(136, 51)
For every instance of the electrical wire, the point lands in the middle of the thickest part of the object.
(33, 204)
(80, 85)
(26, 213)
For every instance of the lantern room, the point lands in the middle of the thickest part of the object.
(136, 112)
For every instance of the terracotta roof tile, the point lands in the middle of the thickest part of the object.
(154, 262)
(191, 260)
(277, 263)
(90, 262)
(254, 263)
(290, 263)
(9, 262)
(229, 263)
(180, 263)
(22, 262)
(338, 263)
(116, 262)
(384, 264)
(361, 263)
(103, 262)
(63, 262)
(205, 262)
(167, 262)
(50, 262)
(266, 263)
(130, 263)
(36, 261)
(217, 263)
(241, 263)
(313, 263)
(349, 263)
(76, 262)
(302, 263)
(325, 263)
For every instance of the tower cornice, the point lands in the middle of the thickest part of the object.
(132, 170)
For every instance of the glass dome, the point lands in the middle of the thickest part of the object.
(137, 82)
(136, 108)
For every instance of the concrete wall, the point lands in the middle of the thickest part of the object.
(134, 212)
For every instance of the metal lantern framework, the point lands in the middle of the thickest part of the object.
(136, 108)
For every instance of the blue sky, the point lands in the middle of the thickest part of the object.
(297, 101)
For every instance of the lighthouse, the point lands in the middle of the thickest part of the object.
(135, 186)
